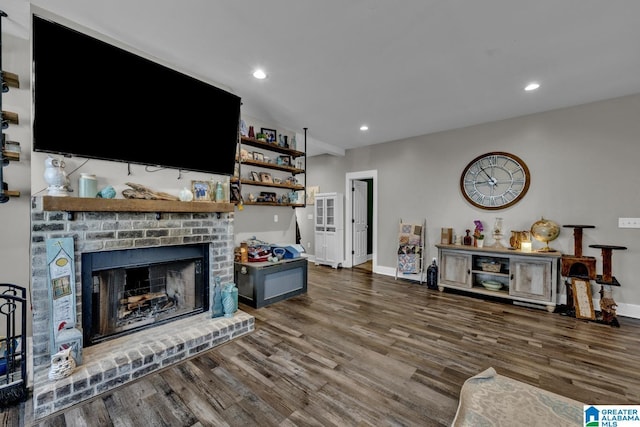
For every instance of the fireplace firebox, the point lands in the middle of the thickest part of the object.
(124, 291)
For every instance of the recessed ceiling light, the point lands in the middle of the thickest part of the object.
(259, 74)
(364, 127)
(532, 86)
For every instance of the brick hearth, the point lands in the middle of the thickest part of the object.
(116, 362)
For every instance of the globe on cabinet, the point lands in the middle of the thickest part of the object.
(545, 231)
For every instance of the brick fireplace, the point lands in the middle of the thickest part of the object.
(124, 227)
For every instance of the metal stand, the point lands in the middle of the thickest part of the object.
(13, 357)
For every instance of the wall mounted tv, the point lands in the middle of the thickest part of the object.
(96, 100)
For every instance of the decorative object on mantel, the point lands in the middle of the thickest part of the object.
(107, 192)
(478, 237)
(467, 240)
(87, 185)
(517, 238)
(216, 299)
(62, 365)
(545, 231)
(139, 191)
(497, 234)
(186, 195)
(230, 299)
(56, 177)
(62, 294)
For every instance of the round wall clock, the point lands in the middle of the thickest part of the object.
(495, 180)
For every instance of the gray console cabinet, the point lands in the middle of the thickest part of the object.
(263, 283)
(526, 277)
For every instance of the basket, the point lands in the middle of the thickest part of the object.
(491, 267)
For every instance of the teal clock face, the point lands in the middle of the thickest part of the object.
(495, 180)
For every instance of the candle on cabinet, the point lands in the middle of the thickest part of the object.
(525, 246)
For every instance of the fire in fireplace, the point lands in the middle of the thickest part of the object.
(128, 290)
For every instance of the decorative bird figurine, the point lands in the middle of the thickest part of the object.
(56, 177)
(62, 364)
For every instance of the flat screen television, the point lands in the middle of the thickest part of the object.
(95, 100)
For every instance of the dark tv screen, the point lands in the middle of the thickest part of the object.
(96, 100)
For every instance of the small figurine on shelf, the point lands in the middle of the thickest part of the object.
(56, 177)
(467, 240)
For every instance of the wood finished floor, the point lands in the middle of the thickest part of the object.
(361, 349)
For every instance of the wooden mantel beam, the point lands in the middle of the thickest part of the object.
(86, 204)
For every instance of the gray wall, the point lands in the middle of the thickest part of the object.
(584, 170)
(583, 162)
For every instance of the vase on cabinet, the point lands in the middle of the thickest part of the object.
(467, 240)
(517, 237)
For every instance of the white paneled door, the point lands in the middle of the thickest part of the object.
(359, 211)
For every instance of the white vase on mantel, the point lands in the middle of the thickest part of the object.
(185, 195)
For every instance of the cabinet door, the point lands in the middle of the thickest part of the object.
(455, 269)
(320, 246)
(331, 249)
(330, 213)
(531, 279)
(320, 212)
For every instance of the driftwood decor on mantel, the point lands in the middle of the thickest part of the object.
(85, 204)
(139, 191)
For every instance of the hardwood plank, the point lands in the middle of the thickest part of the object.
(93, 414)
(361, 349)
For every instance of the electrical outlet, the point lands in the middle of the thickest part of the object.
(275, 218)
(628, 222)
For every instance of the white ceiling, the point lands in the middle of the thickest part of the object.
(404, 67)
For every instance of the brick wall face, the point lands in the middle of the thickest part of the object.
(108, 231)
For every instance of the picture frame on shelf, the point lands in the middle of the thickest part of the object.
(258, 156)
(266, 177)
(236, 196)
(284, 160)
(255, 176)
(201, 191)
(266, 196)
(272, 135)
